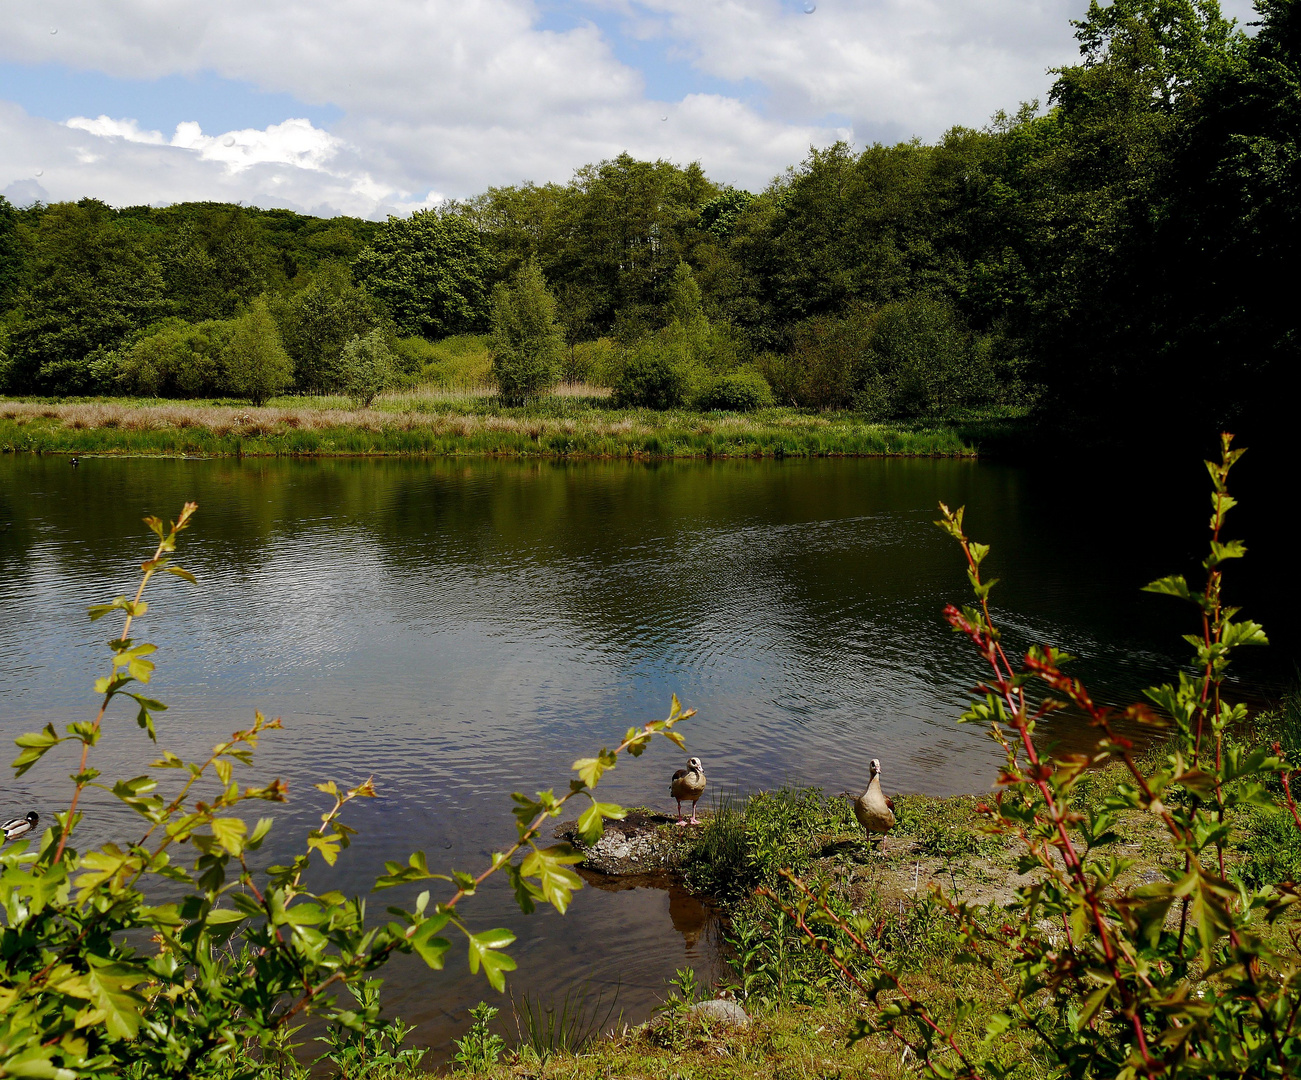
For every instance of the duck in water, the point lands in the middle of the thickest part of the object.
(19, 826)
(688, 785)
(874, 810)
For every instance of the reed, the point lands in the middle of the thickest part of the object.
(572, 424)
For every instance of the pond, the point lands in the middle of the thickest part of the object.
(464, 630)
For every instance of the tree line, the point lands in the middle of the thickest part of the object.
(1121, 248)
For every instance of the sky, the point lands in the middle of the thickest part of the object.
(389, 106)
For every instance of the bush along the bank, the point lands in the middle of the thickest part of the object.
(98, 979)
(1185, 975)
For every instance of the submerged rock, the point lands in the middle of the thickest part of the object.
(642, 843)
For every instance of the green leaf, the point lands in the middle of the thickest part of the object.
(431, 949)
(110, 991)
(591, 821)
(483, 948)
(1174, 585)
(230, 834)
(551, 867)
(34, 745)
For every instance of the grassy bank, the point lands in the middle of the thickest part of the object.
(565, 425)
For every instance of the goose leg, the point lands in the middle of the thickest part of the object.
(693, 820)
(680, 821)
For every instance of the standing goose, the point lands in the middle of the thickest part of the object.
(19, 826)
(874, 810)
(688, 783)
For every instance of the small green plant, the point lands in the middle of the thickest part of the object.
(479, 1048)
(355, 1052)
(580, 1017)
(685, 992)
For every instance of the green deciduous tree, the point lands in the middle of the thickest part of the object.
(432, 272)
(93, 283)
(368, 367)
(257, 365)
(527, 342)
(318, 320)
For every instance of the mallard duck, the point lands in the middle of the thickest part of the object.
(19, 826)
(874, 810)
(688, 784)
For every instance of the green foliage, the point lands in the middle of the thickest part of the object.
(431, 271)
(945, 828)
(480, 1048)
(1177, 977)
(101, 977)
(176, 359)
(743, 390)
(11, 254)
(527, 343)
(257, 365)
(743, 845)
(367, 368)
(215, 263)
(653, 377)
(357, 1051)
(580, 1017)
(93, 284)
(907, 358)
(317, 321)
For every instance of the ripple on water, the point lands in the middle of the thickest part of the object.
(464, 631)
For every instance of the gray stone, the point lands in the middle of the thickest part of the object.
(721, 1011)
(641, 843)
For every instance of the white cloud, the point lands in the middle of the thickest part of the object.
(455, 95)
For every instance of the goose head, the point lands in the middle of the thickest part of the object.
(694, 765)
(874, 768)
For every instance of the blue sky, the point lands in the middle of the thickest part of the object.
(388, 106)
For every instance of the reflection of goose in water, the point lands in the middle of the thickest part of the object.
(874, 810)
(689, 915)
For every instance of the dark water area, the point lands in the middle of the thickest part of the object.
(464, 630)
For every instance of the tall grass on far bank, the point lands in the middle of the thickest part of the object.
(427, 424)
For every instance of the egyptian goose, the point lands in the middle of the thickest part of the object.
(688, 784)
(874, 810)
(19, 826)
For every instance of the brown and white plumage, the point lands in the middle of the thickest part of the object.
(687, 786)
(874, 810)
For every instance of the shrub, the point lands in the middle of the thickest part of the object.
(164, 953)
(176, 359)
(367, 367)
(653, 377)
(527, 342)
(743, 390)
(599, 362)
(1170, 978)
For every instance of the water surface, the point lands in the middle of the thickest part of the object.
(461, 631)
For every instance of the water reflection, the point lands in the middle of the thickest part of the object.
(465, 630)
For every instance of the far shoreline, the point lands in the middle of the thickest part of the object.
(429, 424)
